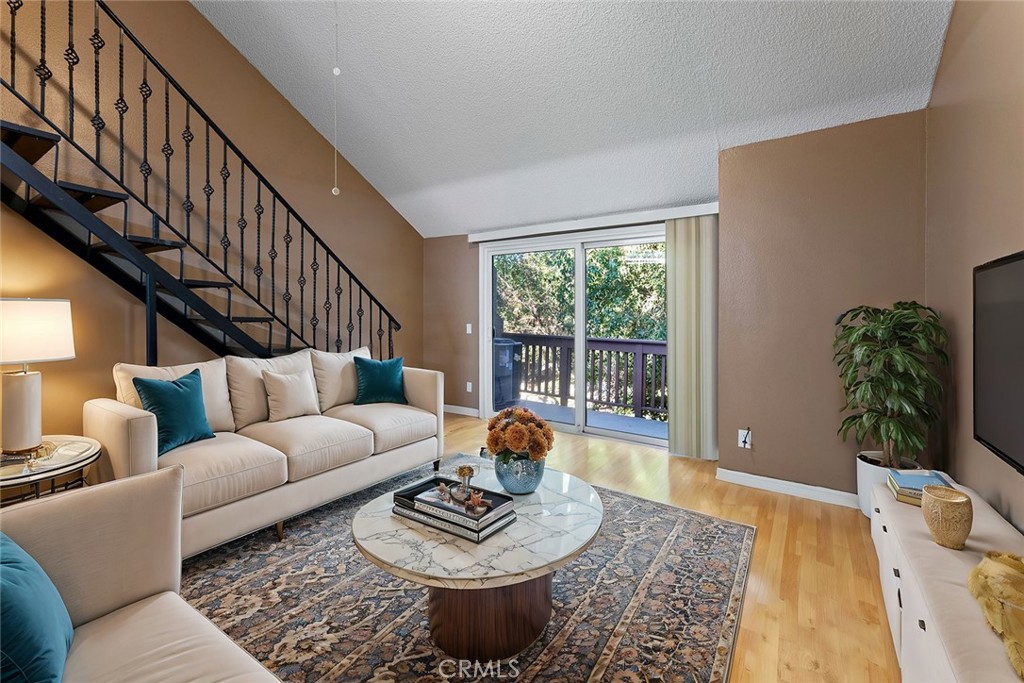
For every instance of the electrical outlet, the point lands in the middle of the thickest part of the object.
(745, 439)
(469, 387)
(469, 328)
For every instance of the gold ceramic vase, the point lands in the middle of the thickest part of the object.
(948, 514)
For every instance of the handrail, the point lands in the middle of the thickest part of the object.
(613, 380)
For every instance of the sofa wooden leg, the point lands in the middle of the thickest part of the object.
(437, 465)
(279, 528)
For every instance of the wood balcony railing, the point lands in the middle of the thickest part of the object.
(626, 374)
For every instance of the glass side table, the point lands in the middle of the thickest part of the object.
(61, 455)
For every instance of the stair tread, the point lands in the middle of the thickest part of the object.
(93, 198)
(195, 283)
(236, 319)
(30, 143)
(146, 244)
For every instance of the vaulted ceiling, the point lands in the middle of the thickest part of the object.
(470, 116)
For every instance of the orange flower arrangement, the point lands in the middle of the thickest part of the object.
(519, 433)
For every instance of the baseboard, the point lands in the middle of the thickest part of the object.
(462, 410)
(790, 488)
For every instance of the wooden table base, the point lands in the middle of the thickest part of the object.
(490, 623)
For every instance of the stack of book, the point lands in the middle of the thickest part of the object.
(424, 502)
(906, 485)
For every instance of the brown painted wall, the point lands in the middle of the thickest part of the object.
(809, 226)
(109, 324)
(374, 240)
(975, 206)
(450, 300)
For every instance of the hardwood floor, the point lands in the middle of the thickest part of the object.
(813, 607)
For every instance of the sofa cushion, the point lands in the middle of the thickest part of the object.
(178, 407)
(225, 468)
(160, 639)
(335, 375)
(36, 628)
(245, 382)
(379, 381)
(216, 399)
(291, 395)
(314, 444)
(393, 425)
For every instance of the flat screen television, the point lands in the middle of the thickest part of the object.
(999, 357)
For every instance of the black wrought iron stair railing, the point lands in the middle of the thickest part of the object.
(149, 137)
(46, 202)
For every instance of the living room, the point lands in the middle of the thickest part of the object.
(266, 205)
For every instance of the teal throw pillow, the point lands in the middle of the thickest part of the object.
(178, 406)
(37, 631)
(380, 381)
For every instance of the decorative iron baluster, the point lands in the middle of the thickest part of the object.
(327, 309)
(242, 225)
(42, 71)
(273, 254)
(72, 58)
(350, 326)
(391, 341)
(14, 6)
(208, 189)
(167, 151)
(380, 331)
(145, 169)
(120, 104)
(314, 321)
(287, 298)
(302, 280)
(359, 312)
(187, 205)
(337, 318)
(225, 241)
(97, 42)
(258, 268)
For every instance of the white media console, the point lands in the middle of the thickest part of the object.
(937, 626)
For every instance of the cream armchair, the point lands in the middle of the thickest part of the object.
(114, 553)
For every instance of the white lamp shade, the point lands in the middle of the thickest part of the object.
(35, 330)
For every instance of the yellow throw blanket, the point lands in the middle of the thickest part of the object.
(998, 585)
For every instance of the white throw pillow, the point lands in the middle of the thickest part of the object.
(245, 381)
(215, 387)
(335, 373)
(291, 395)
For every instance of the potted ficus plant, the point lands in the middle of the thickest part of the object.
(888, 360)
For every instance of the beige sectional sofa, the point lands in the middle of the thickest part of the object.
(114, 553)
(256, 472)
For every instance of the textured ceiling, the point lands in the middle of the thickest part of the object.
(470, 116)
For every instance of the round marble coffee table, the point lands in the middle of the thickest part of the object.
(488, 601)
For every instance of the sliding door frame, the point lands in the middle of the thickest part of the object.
(579, 242)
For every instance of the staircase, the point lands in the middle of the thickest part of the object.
(184, 222)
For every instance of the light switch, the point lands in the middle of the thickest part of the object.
(469, 328)
(469, 387)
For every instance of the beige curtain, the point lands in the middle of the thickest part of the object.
(692, 253)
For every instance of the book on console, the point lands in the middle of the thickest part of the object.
(907, 485)
(452, 528)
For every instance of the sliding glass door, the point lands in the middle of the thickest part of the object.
(596, 298)
(626, 321)
(532, 332)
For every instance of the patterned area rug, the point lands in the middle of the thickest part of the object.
(655, 598)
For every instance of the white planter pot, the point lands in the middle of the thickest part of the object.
(871, 472)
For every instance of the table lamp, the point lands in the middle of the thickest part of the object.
(31, 331)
